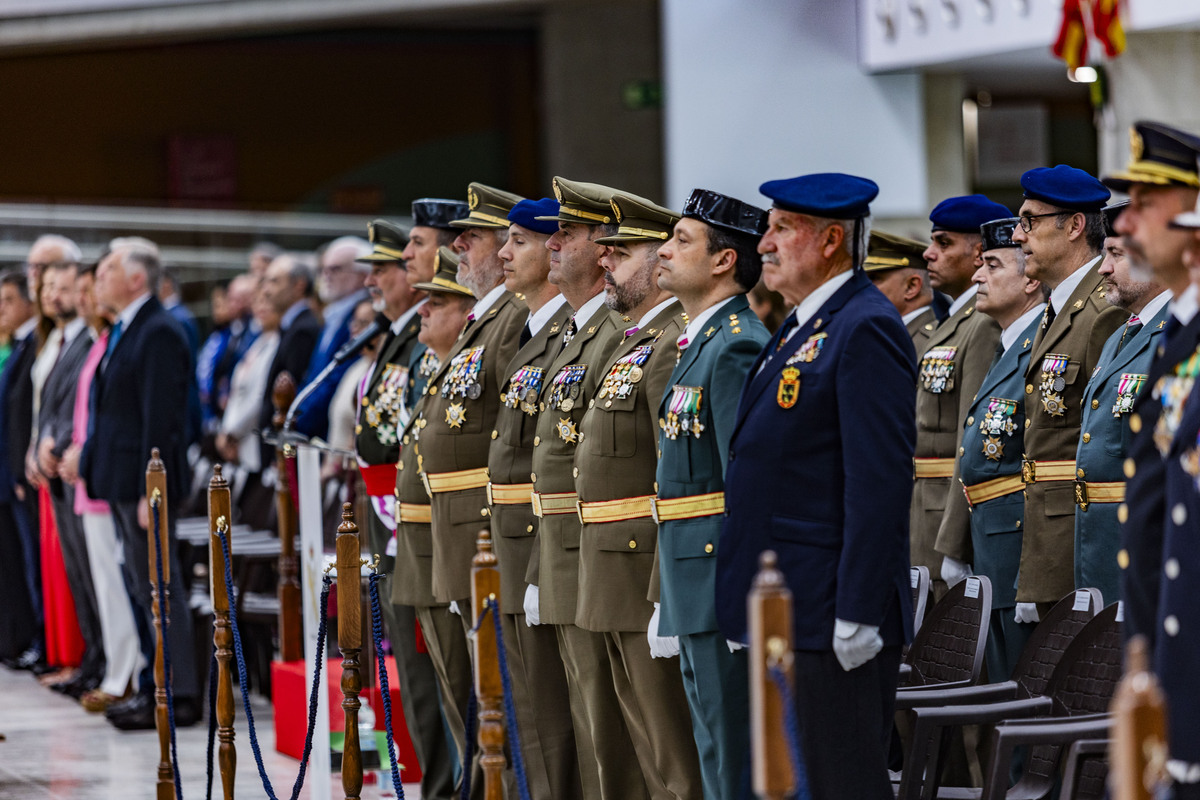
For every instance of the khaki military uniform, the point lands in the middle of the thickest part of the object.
(921, 327)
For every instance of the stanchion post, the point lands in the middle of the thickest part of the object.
(1138, 753)
(485, 585)
(769, 609)
(156, 495)
(349, 595)
(218, 520)
(291, 647)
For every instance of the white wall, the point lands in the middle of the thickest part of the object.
(773, 89)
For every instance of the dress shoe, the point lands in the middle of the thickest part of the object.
(42, 668)
(77, 686)
(27, 660)
(98, 700)
(138, 713)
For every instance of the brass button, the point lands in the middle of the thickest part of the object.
(1079, 473)
(1130, 468)
(537, 440)
(1029, 388)
(529, 529)
(541, 406)
(358, 428)
(632, 544)
(1123, 558)
(961, 451)
(533, 477)
(1087, 437)
(483, 512)
(608, 403)
(495, 434)
(579, 438)
(656, 487)
(575, 472)
(433, 390)
(708, 548)
(406, 440)
(1095, 404)
(1018, 523)
(1122, 513)
(1135, 423)
(591, 403)
(970, 421)
(1026, 423)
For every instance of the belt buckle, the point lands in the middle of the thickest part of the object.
(654, 510)
(1028, 471)
(535, 500)
(1081, 495)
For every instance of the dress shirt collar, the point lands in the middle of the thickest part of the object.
(1062, 292)
(963, 299)
(73, 329)
(130, 311)
(403, 319)
(25, 328)
(290, 315)
(654, 312)
(1009, 336)
(697, 324)
(1150, 311)
(538, 320)
(588, 309)
(910, 316)
(811, 304)
(1185, 306)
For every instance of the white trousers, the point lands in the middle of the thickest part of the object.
(116, 615)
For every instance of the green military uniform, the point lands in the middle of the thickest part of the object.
(887, 252)
(921, 328)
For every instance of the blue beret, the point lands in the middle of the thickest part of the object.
(966, 214)
(827, 194)
(533, 214)
(1065, 187)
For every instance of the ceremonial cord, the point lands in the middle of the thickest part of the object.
(384, 690)
(791, 726)
(510, 715)
(163, 598)
(212, 723)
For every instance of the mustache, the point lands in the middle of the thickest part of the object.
(770, 258)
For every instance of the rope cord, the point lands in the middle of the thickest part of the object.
(212, 722)
(163, 596)
(791, 726)
(510, 714)
(472, 720)
(384, 690)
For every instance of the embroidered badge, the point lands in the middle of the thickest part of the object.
(789, 387)
(937, 369)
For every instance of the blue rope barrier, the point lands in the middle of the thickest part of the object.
(510, 714)
(212, 723)
(472, 719)
(384, 690)
(163, 596)
(791, 727)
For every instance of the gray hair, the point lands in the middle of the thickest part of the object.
(139, 254)
(361, 248)
(70, 252)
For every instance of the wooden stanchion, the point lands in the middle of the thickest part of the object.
(156, 496)
(1138, 752)
(485, 585)
(349, 595)
(291, 632)
(769, 609)
(218, 520)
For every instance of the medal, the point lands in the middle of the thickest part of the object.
(566, 431)
(456, 415)
(683, 412)
(807, 352)
(567, 404)
(1054, 368)
(1172, 392)
(999, 417)
(564, 389)
(462, 377)
(1127, 392)
(789, 388)
(993, 448)
(1053, 404)
(937, 369)
(624, 373)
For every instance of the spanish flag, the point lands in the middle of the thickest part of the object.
(1106, 26)
(1071, 44)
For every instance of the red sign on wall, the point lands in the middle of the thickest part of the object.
(201, 167)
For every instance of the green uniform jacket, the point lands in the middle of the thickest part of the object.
(617, 459)
(456, 431)
(377, 434)
(510, 457)
(554, 563)
(412, 577)
(1078, 334)
(950, 369)
(921, 327)
(695, 450)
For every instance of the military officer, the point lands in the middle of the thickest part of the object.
(431, 229)
(709, 263)
(443, 315)
(819, 472)
(952, 365)
(382, 414)
(616, 463)
(547, 737)
(993, 432)
(1110, 394)
(896, 265)
(1061, 233)
(603, 742)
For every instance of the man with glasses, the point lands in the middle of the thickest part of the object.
(1061, 233)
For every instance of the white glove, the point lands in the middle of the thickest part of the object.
(855, 644)
(954, 571)
(660, 646)
(454, 608)
(1027, 612)
(533, 613)
(734, 646)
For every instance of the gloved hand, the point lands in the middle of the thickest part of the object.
(734, 646)
(855, 644)
(533, 611)
(954, 571)
(454, 608)
(660, 646)
(1027, 612)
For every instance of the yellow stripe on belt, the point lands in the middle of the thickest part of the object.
(1042, 471)
(548, 504)
(933, 467)
(509, 494)
(415, 512)
(1088, 493)
(439, 482)
(990, 490)
(700, 505)
(615, 510)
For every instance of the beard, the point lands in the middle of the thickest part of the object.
(626, 296)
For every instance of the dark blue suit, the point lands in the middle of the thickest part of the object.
(313, 418)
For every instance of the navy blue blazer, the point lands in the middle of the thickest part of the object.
(820, 470)
(313, 417)
(139, 401)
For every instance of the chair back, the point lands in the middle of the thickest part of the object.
(920, 595)
(949, 647)
(1050, 639)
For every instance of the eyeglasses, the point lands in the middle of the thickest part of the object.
(1026, 220)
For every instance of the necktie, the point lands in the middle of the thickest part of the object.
(789, 324)
(996, 358)
(1131, 328)
(569, 333)
(631, 331)
(1048, 316)
(526, 335)
(682, 342)
(114, 337)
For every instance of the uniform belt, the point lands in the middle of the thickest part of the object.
(1042, 471)
(990, 490)
(439, 482)
(415, 512)
(933, 467)
(615, 510)
(700, 505)
(1088, 493)
(545, 505)
(380, 479)
(509, 494)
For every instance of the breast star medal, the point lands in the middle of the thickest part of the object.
(993, 448)
(997, 422)
(566, 431)
(456, 415)
(789, 388)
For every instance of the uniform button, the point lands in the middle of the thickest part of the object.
(575, 472)
(483, 512)
(358, 428)
(1135, 423)
(580, 438)
(708, 548)
(1026, 423)
(608, 403)
(541, 406)
(1171, 568)
(529, 529)
(1029, 388)
(970, 421)
(364, 402)
(1087, 437)
(1179, 514)
(1079, 473)
(400, 466)
(433, 390)
(591, 403)
(397, 493)
(495, 434)
(533, 477)
(632, 544)
(1171, 625)
(1018, 523)
(1130, 468)
(656, 487)
(537, 440)
(1095, 404)
(1122, 513)
(659, 452)
(405, 440)
(1123, 558)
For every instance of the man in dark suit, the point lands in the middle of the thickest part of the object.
(820, 471)
(139, 402)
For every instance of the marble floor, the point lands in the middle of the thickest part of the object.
(54, 750)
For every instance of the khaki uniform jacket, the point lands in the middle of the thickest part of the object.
(921, 327)
(967, 342)
(510, 458)
(1078, 332)
(412, 576)
(377, 434)
(617, 458)
(456, 431)
(554, 563)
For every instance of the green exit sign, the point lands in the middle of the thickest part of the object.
(638, 95)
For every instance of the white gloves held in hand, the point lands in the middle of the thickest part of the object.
(954, 571)
(454, 609)
(855, 644)
(533, 613)
(660, 646)
(1027, 612)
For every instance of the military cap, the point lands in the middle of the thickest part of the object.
(536, 215)
(488, 208)
(445, 276)
(436, 212)
(639, 220)
(966, 214)
(1065, 187)
(831, 195)
(727, 213)
(1110, 217)
(887, 251)
(388, 241)
(998, 233)
(585, 203)
(1158, 155)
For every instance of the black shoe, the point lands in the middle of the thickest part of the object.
(133, 703)
(27, 660)
(77, 686)
(138, 714)
(43, 668)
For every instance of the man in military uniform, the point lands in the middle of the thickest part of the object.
(896, 265)
(709, 263)
(819, 472)
(603, 742)
(381, 416)
(616, 462)
(443, 315)
(1110, 395)
(1061, 233)
(956, 357)
(992, 444)
(431, 229)
(539, 682)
